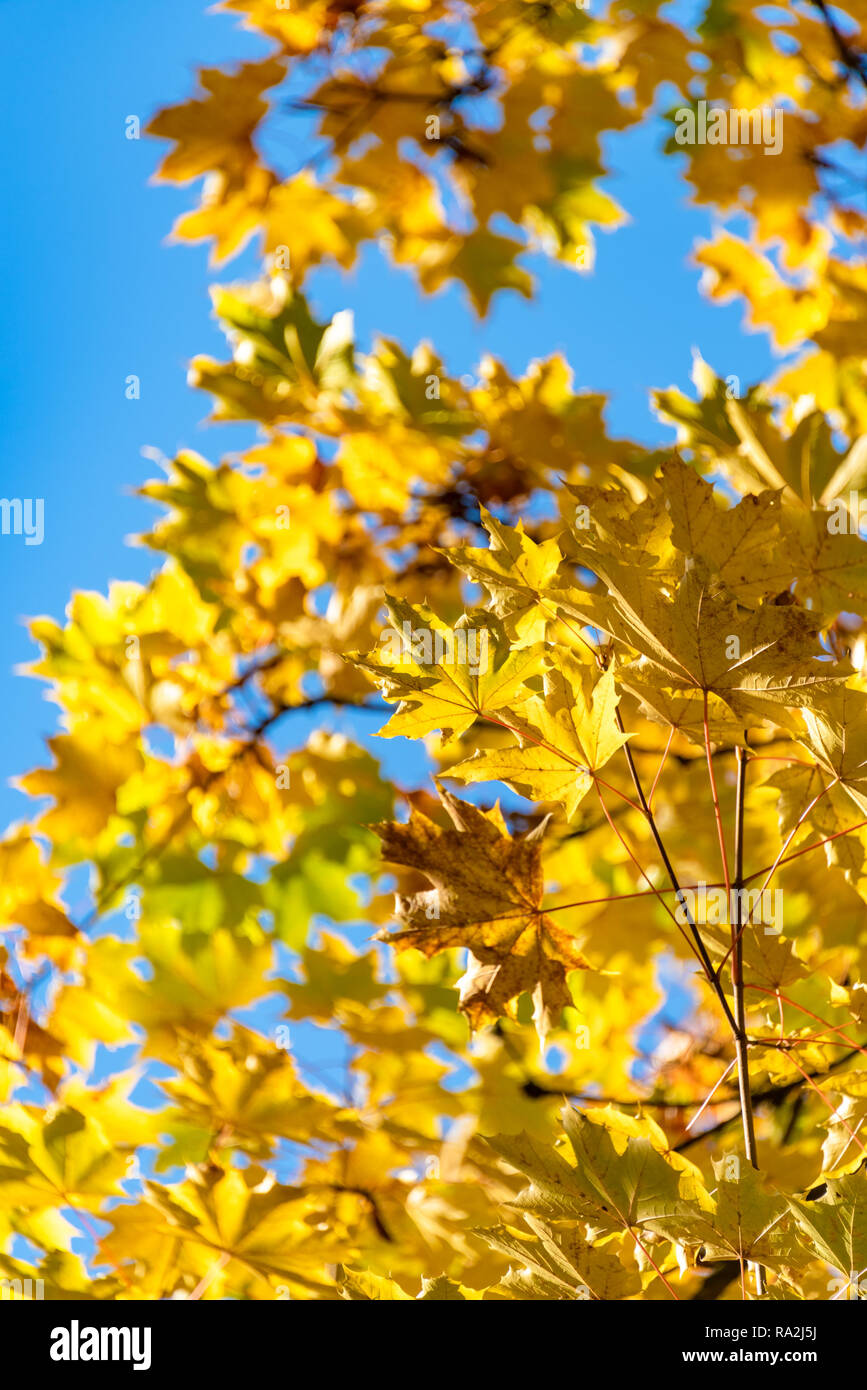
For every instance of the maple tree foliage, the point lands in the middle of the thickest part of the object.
(637, 675)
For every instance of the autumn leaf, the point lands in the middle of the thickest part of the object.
(516, 571)
(618, 1176)
(835, 1222)
(748, 1221)
(487, 898)
(560, 1264)
(447, 678)
(564, 736)
(214, 132)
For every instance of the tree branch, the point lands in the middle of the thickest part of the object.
(774, 1095)
(705, 959)
(853, 61)
(741, 1043)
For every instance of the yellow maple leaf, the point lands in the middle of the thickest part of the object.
(487, 897)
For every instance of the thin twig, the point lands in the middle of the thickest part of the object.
(774, 1094)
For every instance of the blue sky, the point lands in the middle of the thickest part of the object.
(93, 294)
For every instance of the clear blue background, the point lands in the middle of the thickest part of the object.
(93, 293)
